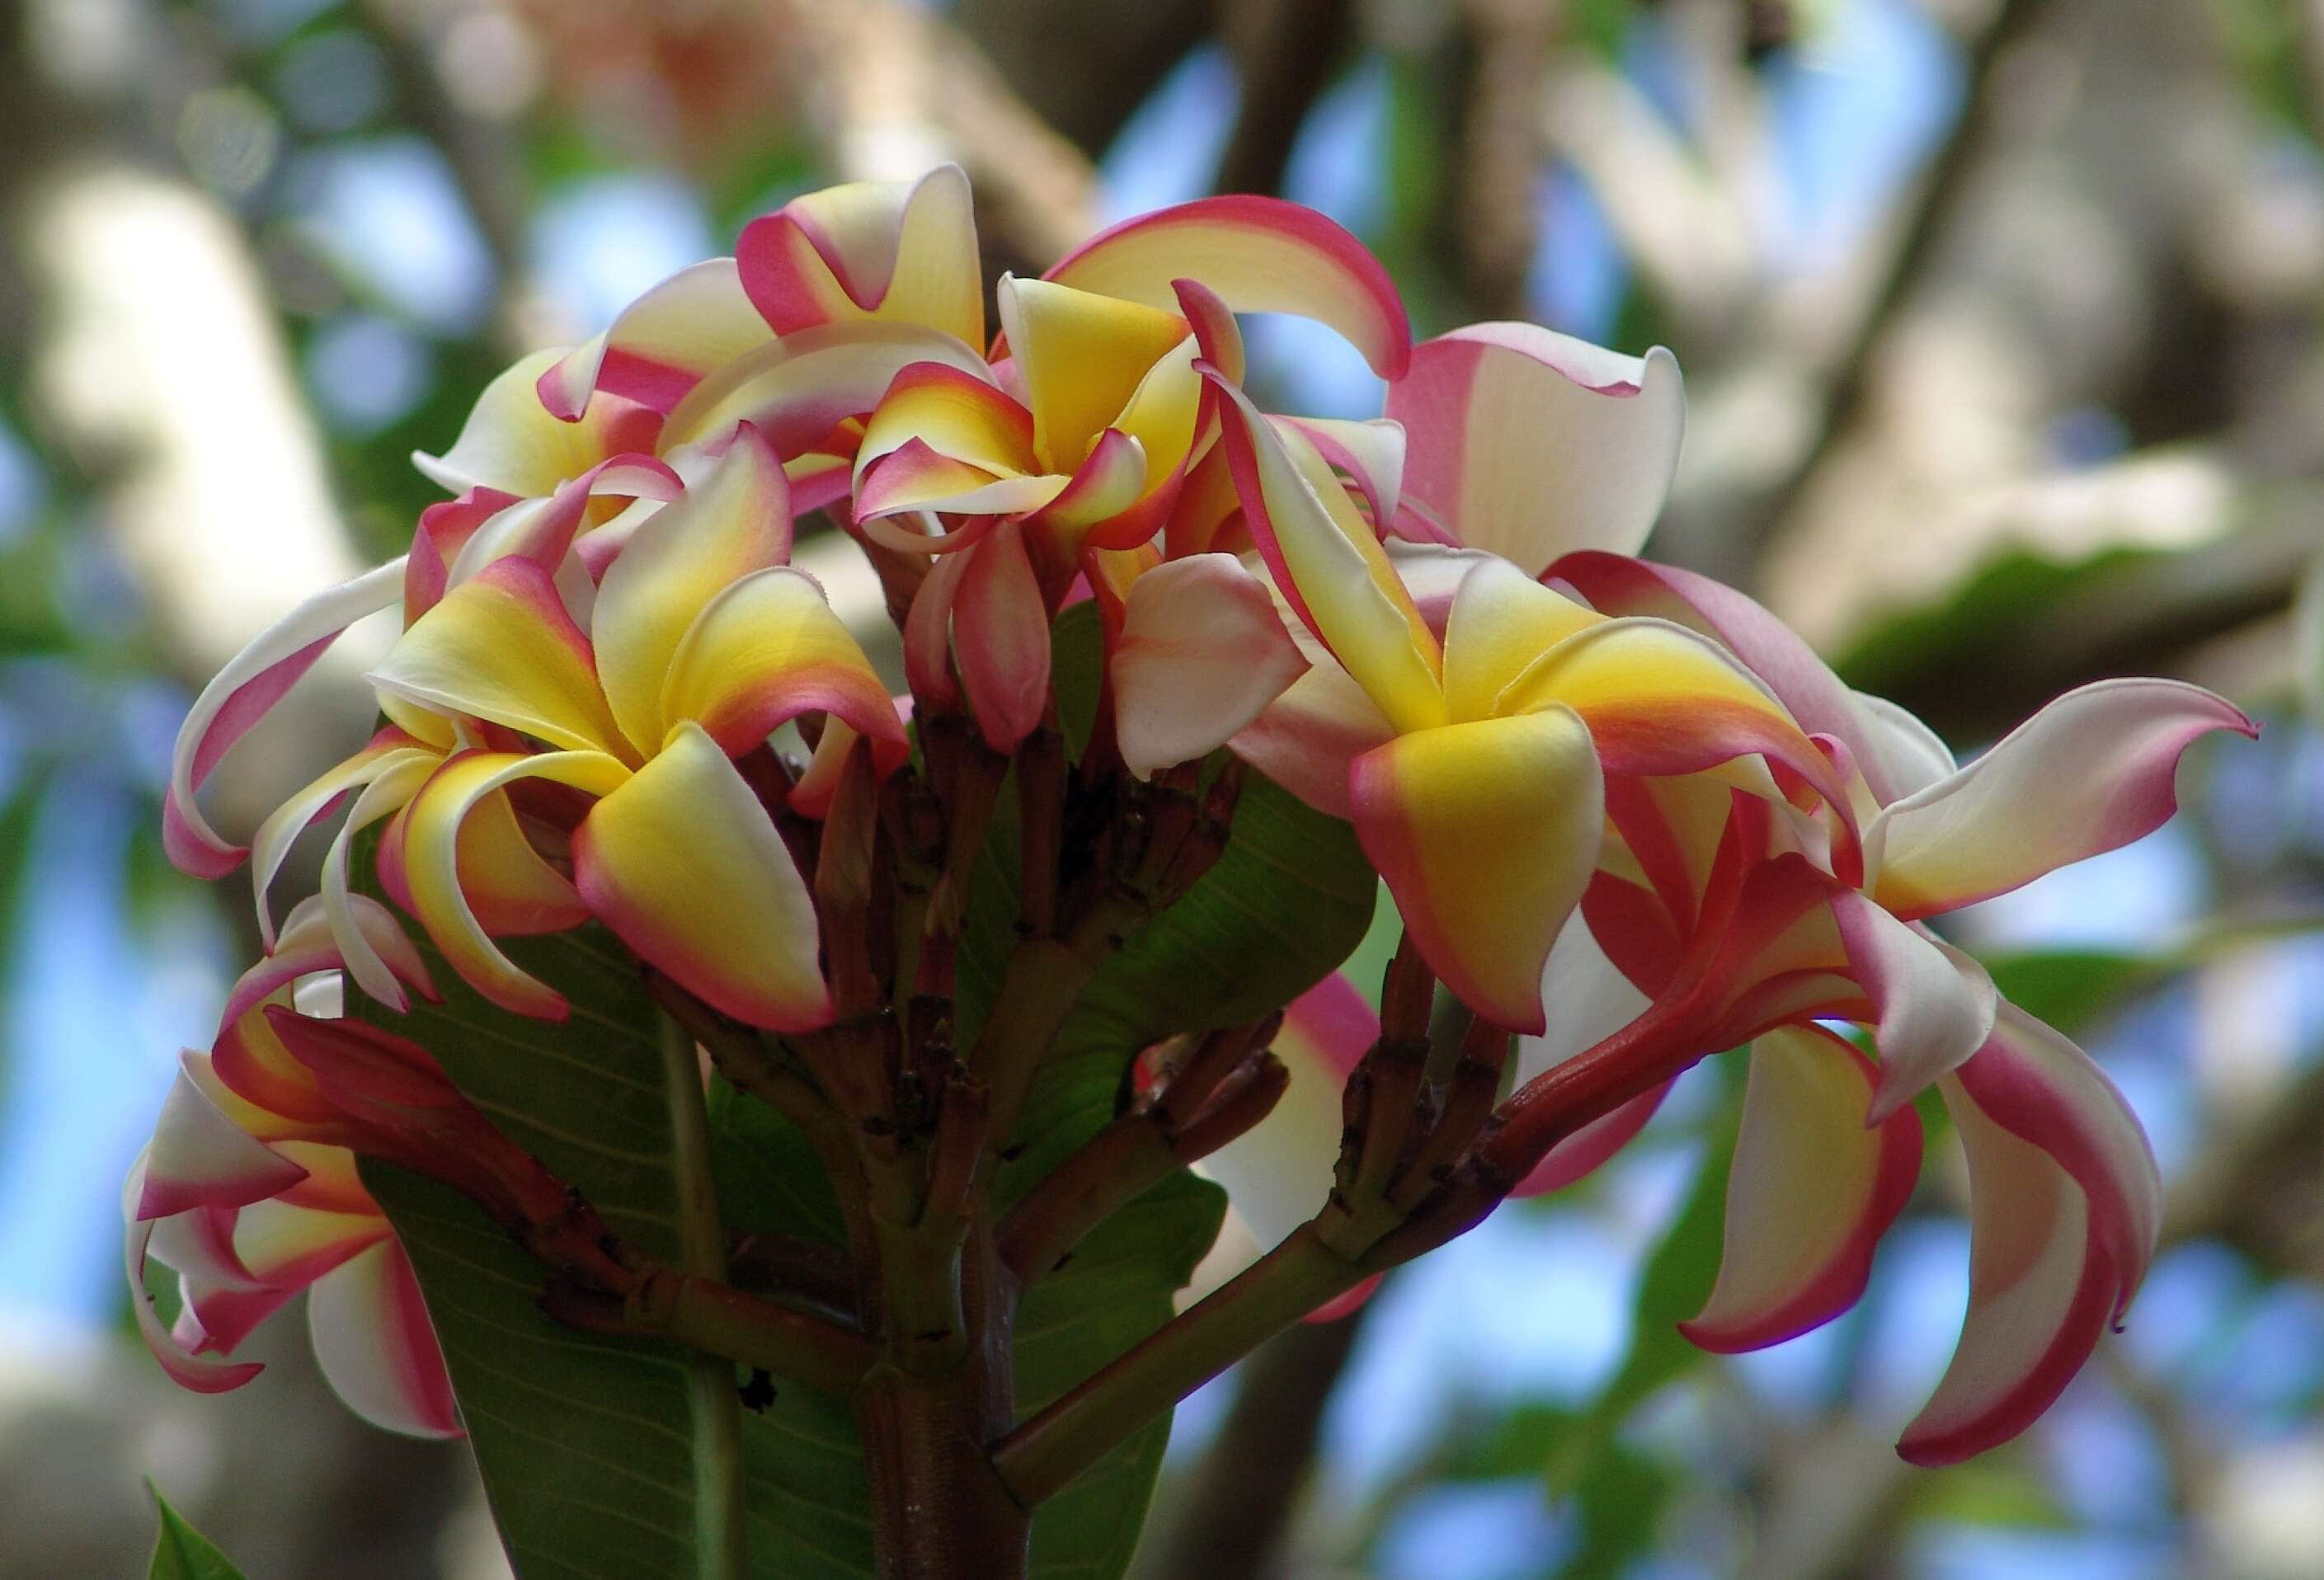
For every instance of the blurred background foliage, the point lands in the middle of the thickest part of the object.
(2001, 320)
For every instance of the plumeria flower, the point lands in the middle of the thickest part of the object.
(248, 1190)
(1473, 752)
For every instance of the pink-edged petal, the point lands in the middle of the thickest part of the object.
(1277, 1175)
(897, 250)
(1200, 655)
(376, 1347)
(764, 650)
(271, 845)
(1935, 1004)
(1492, 410)
(684, 864)
(307, 945)
(514, 443)
(1370, 453)
(199, 1158)
(1616, 584)
(735, 521)
(796, 391)
(387, 794)
(200, 1374)
(443, 532)
(1812, 1190)
(1329, 565)
(1000, 628)
(502, 647)
(1256, 254)
(1082, 357)
(916, 479)
(2065, 1206)
(241, 694)
(1108, 484)
(927, 635)
(1587, 1000)
(960, 416)
(1500, 623)
(658, 346)
(2093, 771)
(1486, 834)
(431, 863)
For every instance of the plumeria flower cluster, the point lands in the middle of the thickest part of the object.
(1628, 819)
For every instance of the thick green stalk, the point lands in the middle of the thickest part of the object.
(720, 1513)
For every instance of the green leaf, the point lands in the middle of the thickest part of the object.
(2072, 988)
(183, 1553)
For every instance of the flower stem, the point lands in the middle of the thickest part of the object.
(719, 1511)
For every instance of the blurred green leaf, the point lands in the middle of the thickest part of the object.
(2071, 989)
(183, 1553)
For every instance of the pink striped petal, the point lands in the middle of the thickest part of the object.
(1256, 254)
(376, 1347)
(271, 845)
(307, 945)
(928, 636)
(1935, 1004)
(1371, 453)
(1486, 834)
(1492, 409)
(905, 251)
(684, 865)
(2091, 771)
(443, 532)
(1202, 654)
(199, 1373)
(1002, 628)
(199, 1158)
(241, 694)
(1307, 738)
(2065, 1207)
(658, 346)
(1810, 1192)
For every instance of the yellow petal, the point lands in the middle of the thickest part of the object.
(1082, 357)
(1486, 835)
(764, 650)
(501, 647)
(686, 865)
(731, 523)
(1502, 620)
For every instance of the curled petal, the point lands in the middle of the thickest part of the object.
(501, 647)
(199, 1158)
(1616, 584)
(1935, 1004)
(1486, 834)
(915, 479)
(2064, 1205)
(763, 652)
(1491, 410)
(1109, 483)
(956, 414)
(1082, 357)
(1500, 623)
(896, 250)
(1256, 254)
(800, 390)
(1329, 566)
(431, 863)
(1277, 1175)
(271, 845)
(733, 522)
(1812, 1190)
(308, 943)
(684, 864)
(202, 1373)
(1002, 628)
(2092, 771)
(1202, 654)
(660, 345)
(1370, 453)
(252, 682)
(443, 532)
(514, 444)
(376, 1346)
